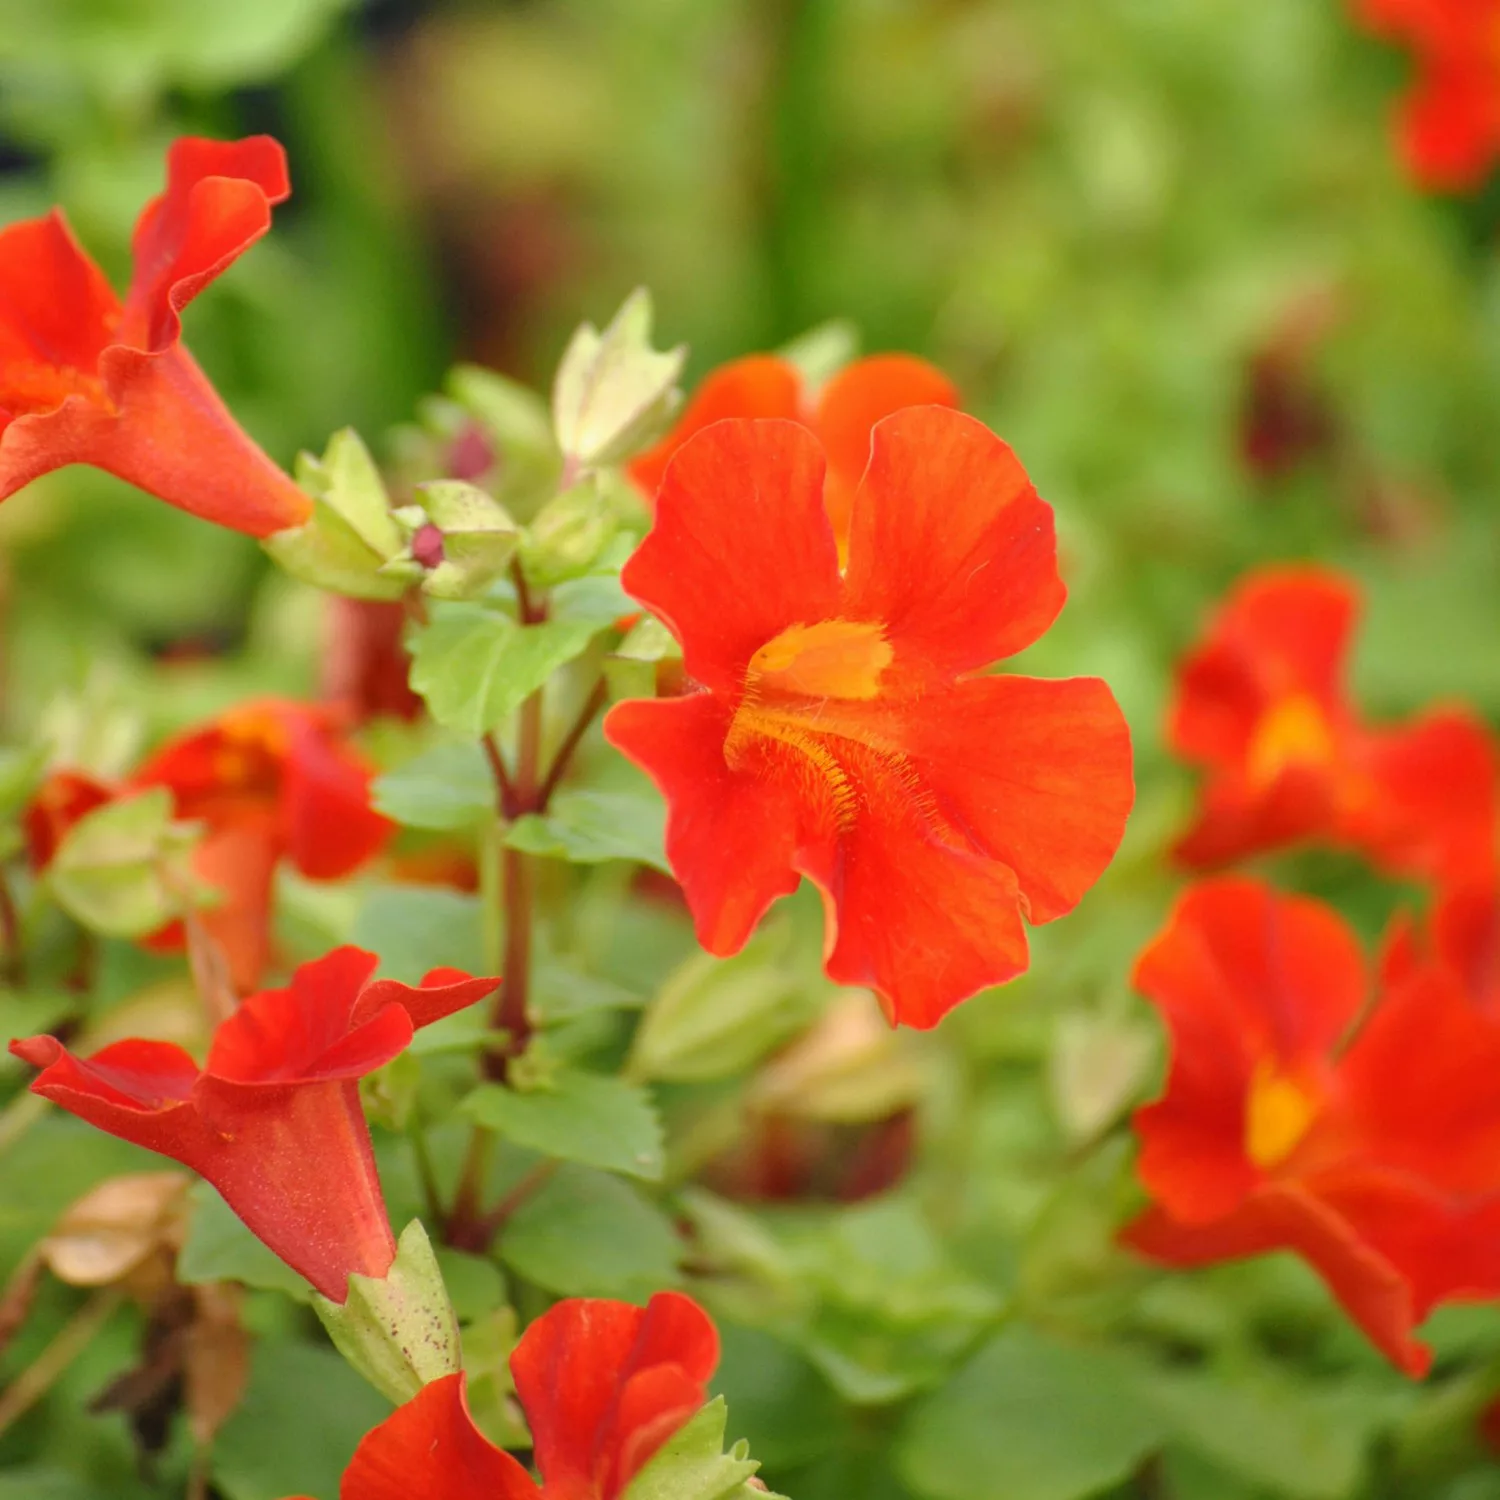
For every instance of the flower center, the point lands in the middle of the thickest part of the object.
(830, 659)
(1278, 1114)
(804, 692)
(250, 754)
(1296, 732)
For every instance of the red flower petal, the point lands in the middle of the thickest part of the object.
(330, 827)
(852, 403)
(430, 1449)
(1419, 1081)
(731, 837)
(1372, 1290)
(1450, 124)
(1240, 975)
(1036, 773)
(57, 314)
(741, 548)
(1467, 929)
(604, 1384)
(761, 385)
(217, 204)
(1283, 632)
(441, 993)
(1432, 808)
(61, 800)
(1235, 821)
(949, 545)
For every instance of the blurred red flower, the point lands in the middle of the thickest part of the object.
(839, 730)
(58, 803)
(603, 1385)
(841, 414)
(1261, 705)
(1296, 1117)
(273, 1119)
(269, 780)
(1463, 938)
(87, 379)
(1449, 123)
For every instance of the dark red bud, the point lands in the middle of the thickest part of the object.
(427, 546)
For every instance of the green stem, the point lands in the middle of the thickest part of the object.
(10, 934)
(38, 1377)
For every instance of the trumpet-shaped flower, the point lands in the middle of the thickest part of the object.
(269, 780)
(1262, 707)
(840, 727)
(603, 1385)
(842, 414)
(1298, 1117)
(88, 379)
(273, 1118)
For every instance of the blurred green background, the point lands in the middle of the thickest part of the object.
(1167, 251)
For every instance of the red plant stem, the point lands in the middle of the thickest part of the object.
(574, 737)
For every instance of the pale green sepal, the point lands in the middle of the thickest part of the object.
(478, 539)
(821, 352)
(568, 535)
(614, 393)
(352, 534)
(125, 869)
(692, 1464)
(399, 1331)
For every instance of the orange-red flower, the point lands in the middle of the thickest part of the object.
(841, 414)
(839, 728)
(87, 379)
(1367, 1140)
(603, 1385)
(1463, 938)
(1262, 707)
(273, 1118)
(1450, 121)
(269, 780)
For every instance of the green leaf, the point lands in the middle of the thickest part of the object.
(446, 788)
(692, 1464)
(1030, 1418)
(294, 1433)
(475, 668)
(21, 773)
(582, 1117)
(588, 827)
(1279, 1433)
(220, 1248)
(415, 928)
(585, 1233)
(123, 870)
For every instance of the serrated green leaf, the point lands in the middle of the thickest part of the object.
(446, 788)
(692, 1464)
(583, 1117)
(585, 1233)
(475, 668)
(586, 827)
(219, 1248)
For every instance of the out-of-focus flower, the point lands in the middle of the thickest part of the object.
(839, 730)
(1366, 1140)
(1449, 122)
(603, 1385)
(1463, 937)
(842, 414)
(273, 1118)
(85, 378)
(365, 661)
(1262, 707)
(269, 780)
